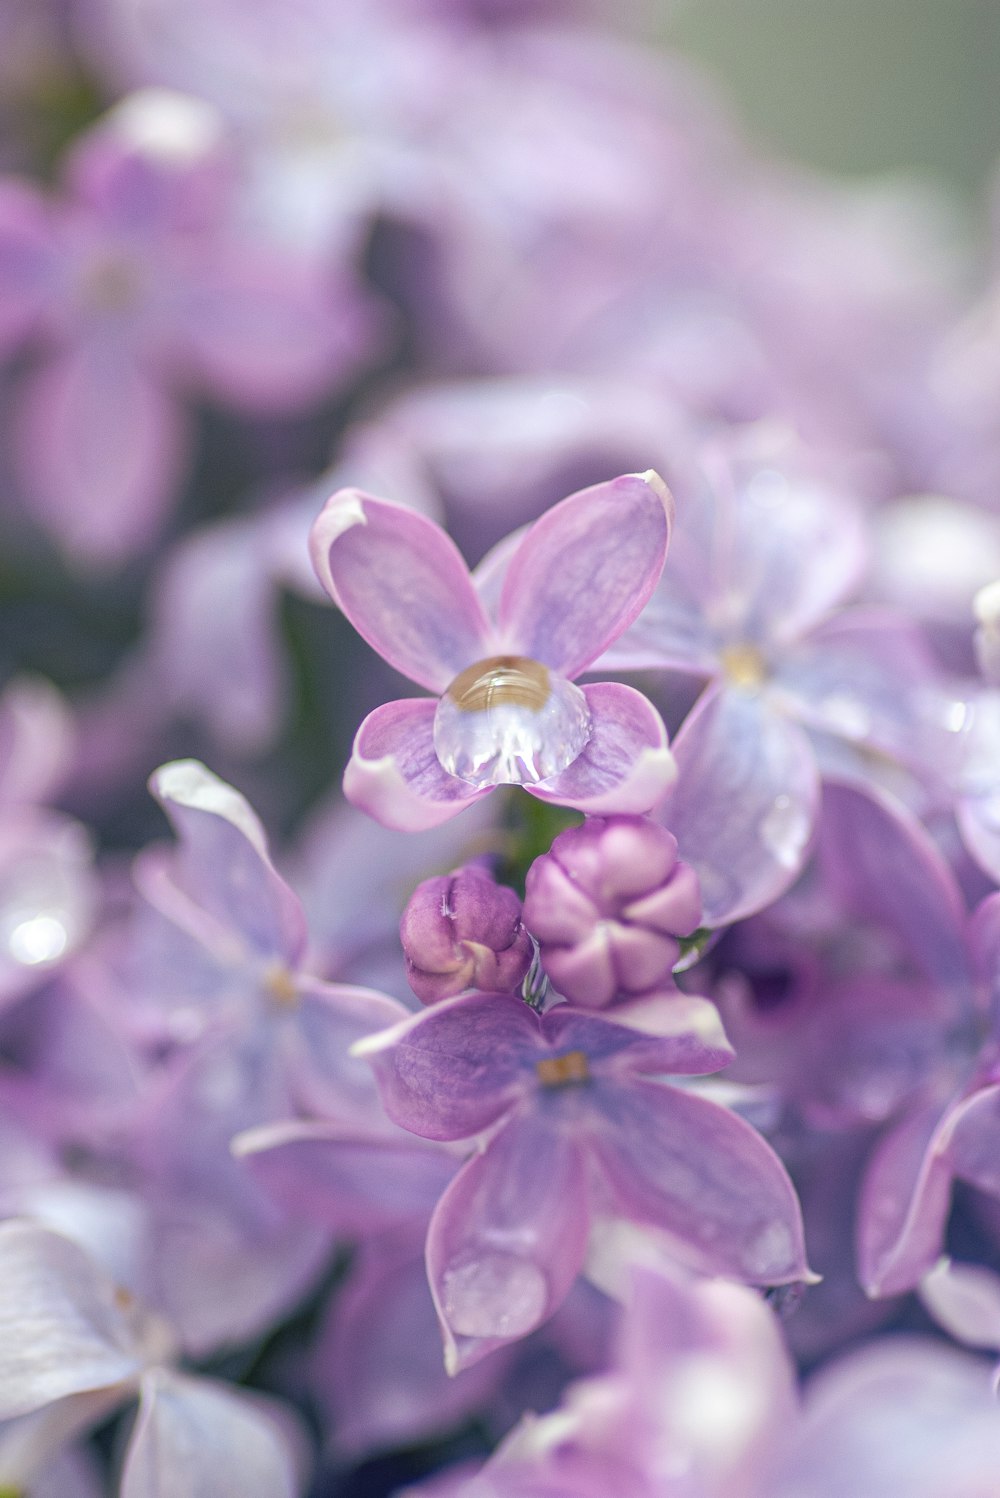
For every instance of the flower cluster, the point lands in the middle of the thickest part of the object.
(483, 1038)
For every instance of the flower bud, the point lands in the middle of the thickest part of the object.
(607, 904)
(462, 931)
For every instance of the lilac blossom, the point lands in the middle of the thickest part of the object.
(607, 905)
(509, 711)
(766, 554)
(75, 1347)
(578, 1127)
(136, 286)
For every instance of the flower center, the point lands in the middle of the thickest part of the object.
(563, 1071)
(744, 665)
(281, 986)
(510, 721)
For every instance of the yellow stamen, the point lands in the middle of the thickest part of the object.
(561, 1071)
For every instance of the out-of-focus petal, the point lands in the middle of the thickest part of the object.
(201, 1438)
(507, 1239)
(404, 586)
(690, 1167)
(394, 773)
(101, 450)
(26, 256)
(62, 1331)
(223, 865)
(964, 1299)
(585, 570)
(453, 1070)
(36, 739)
(904, 1203)
(683, 1036)
(626, 765)
(745, 801)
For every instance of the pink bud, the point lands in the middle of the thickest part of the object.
(462, 931)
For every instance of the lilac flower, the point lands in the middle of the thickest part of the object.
(462, 931)
(75, 1346)
(607, 904)
(763, 559)
(47, 886)
(578, 1128)
(137, 283)
(508, 710)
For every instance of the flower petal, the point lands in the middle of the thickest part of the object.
(100, 450)
(904, 1204)
(62, 1331)
(453, 1070)
(745, 801)
(223, 866)
(507, 1239)
(627, 765)
(585, 570)
(198, 1437)
(394, 773)
(404, 586)
(695, 1170)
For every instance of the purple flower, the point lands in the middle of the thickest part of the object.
(463, 930)
(580, 1125)
(136, 284)
(607, 904)
(764, 555)
(507, 711)
(74, 1347)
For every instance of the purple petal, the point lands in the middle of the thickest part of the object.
(507, 1239)
(323, 1076)
(352, 1185)
(684, 1036)
(865, 676)
(404, 586)
(394, 773)
(223, 866)
(695, 1170)
(964, 1300)
(970, 1139)
(904, 1204)
(626, 766)
(199, 1437)
(455, 1069)
(745, 801)
(101, 450)
(62, 1331)
(884, 866)
(585, 570)
(27, 254)
(36, 740)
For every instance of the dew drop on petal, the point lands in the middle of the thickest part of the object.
(784, 831)
(510, 721)
(494, 1294)
(45, 909)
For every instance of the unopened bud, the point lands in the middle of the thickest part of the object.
(462, 931)
(607, 904)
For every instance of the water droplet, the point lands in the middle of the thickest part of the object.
(784, 831)
(510, 721)
(495, 1294)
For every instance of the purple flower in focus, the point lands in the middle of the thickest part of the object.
(508, 711)
(136, 285)
(461, 931)
(580, 1125)
(607, 904)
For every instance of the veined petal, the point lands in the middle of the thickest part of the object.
(507, 1239)
(223, 864)
(404, 586)
(62, 1331)
(745, 801)
(904, 1204)
(626, 766)
(453, 1070)
(585, 570)
(700, 1173)
(684, 1036)
(198, 1437)
(394, 773)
